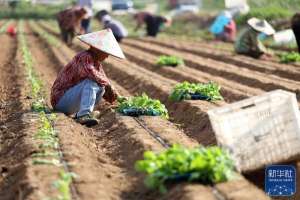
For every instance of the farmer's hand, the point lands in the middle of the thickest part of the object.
(111, 93)
(114, 105)
(114, 91)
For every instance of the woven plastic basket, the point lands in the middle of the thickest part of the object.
(260, 130)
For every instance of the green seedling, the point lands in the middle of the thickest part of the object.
(46, 128)
(39, 106)
(36, 85)
(184, 90)
(169, 61)
(205, 165)
(45, 154)
(53, 161)
(46, 132)
(63, 185)
(49, 145)
(290, 57)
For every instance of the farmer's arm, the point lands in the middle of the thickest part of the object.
(100, 77)
(256, 45)
(96, 75)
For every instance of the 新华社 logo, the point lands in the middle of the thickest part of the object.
(280, 180)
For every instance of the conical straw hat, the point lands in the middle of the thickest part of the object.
(261, 26)
(104, 41)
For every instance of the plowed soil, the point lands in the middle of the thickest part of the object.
(135, 76)
(124, 140)
(119, 75)
(103, 157)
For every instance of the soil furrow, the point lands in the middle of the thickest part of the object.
(183, 73)
(282, 70)
(19, 178)
(241, 75)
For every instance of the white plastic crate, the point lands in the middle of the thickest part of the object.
(260, 130)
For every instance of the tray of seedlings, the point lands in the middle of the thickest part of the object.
(196, 91)
(141, 105)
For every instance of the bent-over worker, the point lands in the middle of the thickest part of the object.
(248, 42)
(86, 21)
(296, 28)
(69, 22)
(153, 22)
(82, 83)
(224, 27)
(116, 26)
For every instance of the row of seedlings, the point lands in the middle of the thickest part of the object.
(190, 91)
(49, 149)
(278, 69)
(187, 163)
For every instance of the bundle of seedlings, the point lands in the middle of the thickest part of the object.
(209, 166)
(290, 57)
(169, 61)
(141, 105)
(196, 91)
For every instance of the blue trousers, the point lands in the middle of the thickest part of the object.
(81, 98)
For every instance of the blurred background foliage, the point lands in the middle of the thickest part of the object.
(187, 26)
(268, 9)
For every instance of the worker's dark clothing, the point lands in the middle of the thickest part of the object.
(296, 28)
(85, 23)
(153, 24)
(69, 22)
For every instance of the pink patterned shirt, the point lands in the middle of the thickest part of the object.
(82, 66)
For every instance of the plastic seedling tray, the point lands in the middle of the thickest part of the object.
(135, 112)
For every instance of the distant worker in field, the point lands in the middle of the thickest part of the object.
(116, 26)
(248, 42)
(11, 30)
(224, 27)
(296, 28)
(69, 22)
(153, 23)
(101, 14)
(86, 21)
(82, 83)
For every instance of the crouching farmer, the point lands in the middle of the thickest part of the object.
(82, 83)
(248, 42)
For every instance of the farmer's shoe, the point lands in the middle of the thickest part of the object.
(87, 120)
